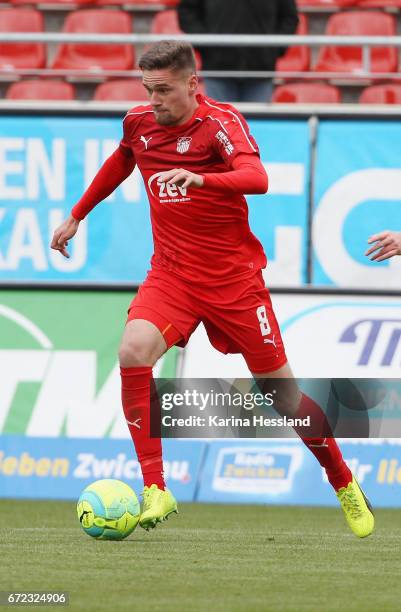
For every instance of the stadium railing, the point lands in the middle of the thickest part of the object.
(366, 43)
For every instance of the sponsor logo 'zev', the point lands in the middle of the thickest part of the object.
(168, 194)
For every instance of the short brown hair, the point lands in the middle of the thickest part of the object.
(176, 55)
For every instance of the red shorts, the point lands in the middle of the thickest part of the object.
(238, 317)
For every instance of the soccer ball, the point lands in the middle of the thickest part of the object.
(108, 510)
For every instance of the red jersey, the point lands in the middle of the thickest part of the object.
(200, 234)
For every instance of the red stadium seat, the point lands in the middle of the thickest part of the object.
(152, 4)
(379, 3)
(158, 3)
(306, 93)
(69, 3)
(381, 94)
(96, 57)
(321, 4)
(296, 59)
(349, 59)
(38, 89)
(166, 22)
(121, 90)
(21, 55)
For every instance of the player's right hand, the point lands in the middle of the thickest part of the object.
(62, 235)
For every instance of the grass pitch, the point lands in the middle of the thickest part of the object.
(245, 558)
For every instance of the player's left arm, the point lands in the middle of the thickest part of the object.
(232, 142)
(247, 176)
(386, 244)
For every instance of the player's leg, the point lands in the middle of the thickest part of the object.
(293, 402)
(160, 316)
(142, 345)
(247, 324)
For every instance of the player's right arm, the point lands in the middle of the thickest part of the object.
(112, 173)
(385, 245)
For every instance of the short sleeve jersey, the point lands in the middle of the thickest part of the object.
(200, 234)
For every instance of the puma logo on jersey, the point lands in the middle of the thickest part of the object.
(145, 141)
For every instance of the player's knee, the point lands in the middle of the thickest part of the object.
(135, 353)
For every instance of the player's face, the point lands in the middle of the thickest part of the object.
(171, 95)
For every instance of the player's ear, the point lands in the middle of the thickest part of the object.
(193, 83)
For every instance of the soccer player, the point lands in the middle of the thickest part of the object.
(197, 159)
(386, 244)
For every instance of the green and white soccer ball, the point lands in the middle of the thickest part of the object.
(108, 510)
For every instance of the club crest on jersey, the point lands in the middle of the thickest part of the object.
(183, 144)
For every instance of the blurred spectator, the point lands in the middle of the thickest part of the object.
(239, 17)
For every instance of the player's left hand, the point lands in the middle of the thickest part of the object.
(181, 177)
(385, 245)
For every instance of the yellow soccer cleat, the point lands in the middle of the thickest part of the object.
(157, 506)
(357, 509)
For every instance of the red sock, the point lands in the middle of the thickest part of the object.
(135, 393)
(325, 449)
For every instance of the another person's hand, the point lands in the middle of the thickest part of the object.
(181, 177)
(385, 245)
(62, 235)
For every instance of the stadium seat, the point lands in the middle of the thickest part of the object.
(21, 55)
(96, 57)
(166, 22)
(306, 93)
(38, 89)
(349, 59)
(296, 59)
(321, 4)
(379, 3)
(158, 3)
(381, 94)
(52, 3)
(121, 90)
(154, 5)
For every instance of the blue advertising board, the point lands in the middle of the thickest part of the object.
(285, 472)
(280, 218)
(47, 162)
(45, 165)
(60, 468)
(216, 471)
(357, 194)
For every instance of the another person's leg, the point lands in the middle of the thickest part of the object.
(222, 90)
(256, 90)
